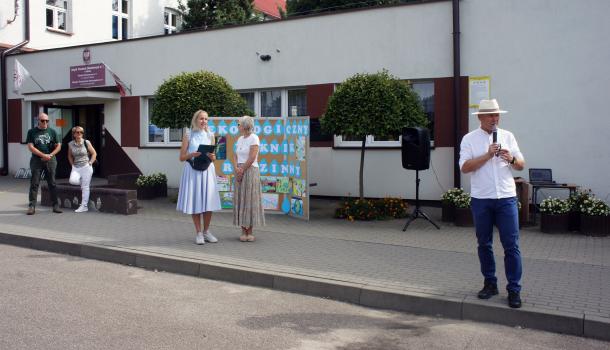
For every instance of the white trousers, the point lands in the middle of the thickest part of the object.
(85, 172)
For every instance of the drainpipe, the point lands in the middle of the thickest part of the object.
(26, 20)
(456, 94)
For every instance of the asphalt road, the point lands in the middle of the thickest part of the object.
(51, 301)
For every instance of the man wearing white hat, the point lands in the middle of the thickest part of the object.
(489, 154)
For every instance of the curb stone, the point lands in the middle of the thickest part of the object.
(371, 296)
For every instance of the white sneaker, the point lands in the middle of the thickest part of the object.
(81, 209)
(209, 237)
(199, 239)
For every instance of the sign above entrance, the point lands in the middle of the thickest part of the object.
(87, 75)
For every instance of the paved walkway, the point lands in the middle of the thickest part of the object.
(566, 276)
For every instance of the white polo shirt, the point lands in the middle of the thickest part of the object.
(242, 148)
(494, 179)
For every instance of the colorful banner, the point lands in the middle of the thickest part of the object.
(282, 159)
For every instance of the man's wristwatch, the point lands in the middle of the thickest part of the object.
(512, 161)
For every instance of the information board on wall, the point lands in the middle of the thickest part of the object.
(478, 90)
(283, 157)
(87, 76)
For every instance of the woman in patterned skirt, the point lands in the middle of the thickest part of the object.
(247, 204)
(197, 194)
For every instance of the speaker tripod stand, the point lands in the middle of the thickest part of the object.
(418, 213)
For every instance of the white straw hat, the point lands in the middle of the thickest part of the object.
(489, 107)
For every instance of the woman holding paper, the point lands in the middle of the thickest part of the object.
(197, 194)
(247, 203)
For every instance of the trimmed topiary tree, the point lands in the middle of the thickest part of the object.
(180, 96)
(372, 104)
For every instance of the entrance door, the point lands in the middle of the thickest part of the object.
(91, 118)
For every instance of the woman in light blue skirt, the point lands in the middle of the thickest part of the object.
(197, 194)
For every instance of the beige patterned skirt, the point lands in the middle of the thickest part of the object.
(247, 201)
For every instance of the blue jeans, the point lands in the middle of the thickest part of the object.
(503, 213)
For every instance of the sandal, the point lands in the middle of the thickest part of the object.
(249, 235)
(244, 235)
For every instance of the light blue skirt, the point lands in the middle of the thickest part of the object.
(197, 192)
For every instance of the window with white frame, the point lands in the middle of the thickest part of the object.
(277, 102)
(58, 14)
(120, 19)
(425, 91)
(249, 97)
(160, 136)
(171, 20)
(297, 102)
(271, 103)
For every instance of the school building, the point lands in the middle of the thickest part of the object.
(545, 61)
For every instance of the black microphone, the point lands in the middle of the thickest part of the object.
(494, 137)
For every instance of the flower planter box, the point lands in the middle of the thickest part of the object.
(574, 221)
(152, 192)
(551, 223)
(147, 192)
(595, 225)
(463, 217)
(161, 190)
(448, 212)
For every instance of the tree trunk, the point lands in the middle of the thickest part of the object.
(361, 182)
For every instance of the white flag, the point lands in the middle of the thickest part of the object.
(20, 74)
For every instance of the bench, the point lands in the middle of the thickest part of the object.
(103, 198)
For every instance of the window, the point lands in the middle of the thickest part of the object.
(57, 14)
(159, 136)
(120, 19)
(171, 20)
(271, 103)
(425, 91)
(297, 103)
(249, 97)
(60, 118)
(277, 102)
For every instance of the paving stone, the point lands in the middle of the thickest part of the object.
(568, 273)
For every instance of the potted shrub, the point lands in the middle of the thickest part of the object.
(372, 209)
(574, 202)
(463, 214)
(152, 186)
(594, 217)
(554, 215)
(448, 204)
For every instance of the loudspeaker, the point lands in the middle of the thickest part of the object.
(415, 148)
